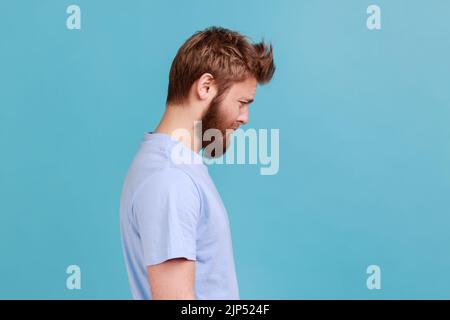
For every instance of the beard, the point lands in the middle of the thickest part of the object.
(214, 119)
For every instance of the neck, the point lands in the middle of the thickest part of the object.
(179, 122)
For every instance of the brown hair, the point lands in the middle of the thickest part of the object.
(226, 54)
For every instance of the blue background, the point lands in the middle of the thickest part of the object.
(364, 144)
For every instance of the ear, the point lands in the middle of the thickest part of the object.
(206, 87)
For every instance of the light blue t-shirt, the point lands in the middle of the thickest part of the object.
(170, 209)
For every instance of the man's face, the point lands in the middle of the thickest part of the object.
(230, 113)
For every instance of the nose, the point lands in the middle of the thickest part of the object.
(243, 116)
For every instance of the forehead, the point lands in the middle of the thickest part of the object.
(245, 89)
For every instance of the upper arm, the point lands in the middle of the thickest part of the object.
(172, 279)
(166, 211)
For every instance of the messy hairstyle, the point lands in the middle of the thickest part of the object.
(227, 55)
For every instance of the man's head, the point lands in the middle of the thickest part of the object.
(218, 70)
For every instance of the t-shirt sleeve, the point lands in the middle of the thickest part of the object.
(167, 209)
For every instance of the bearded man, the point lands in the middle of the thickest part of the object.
(175, 231)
